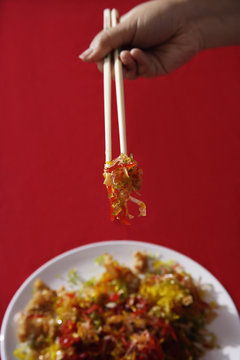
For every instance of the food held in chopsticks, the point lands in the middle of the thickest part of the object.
(122, 178)
(153, 311)
(122, 175)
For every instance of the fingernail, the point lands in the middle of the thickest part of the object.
(85, 55)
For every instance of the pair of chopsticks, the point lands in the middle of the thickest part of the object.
(110, 19)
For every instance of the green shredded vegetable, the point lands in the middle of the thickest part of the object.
(73, 277)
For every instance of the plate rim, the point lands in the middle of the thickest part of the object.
(74, 250)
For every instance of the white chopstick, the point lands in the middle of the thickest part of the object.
(107, 91)
(119, 92)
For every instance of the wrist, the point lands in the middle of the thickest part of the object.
(216, 21)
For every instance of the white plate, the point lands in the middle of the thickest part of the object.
(226, 326)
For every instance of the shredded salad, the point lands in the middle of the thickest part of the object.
(122, 177)
(153, 310)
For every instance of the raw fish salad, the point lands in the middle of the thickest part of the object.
(153, 310)
(122, 177)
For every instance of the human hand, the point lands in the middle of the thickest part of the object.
(157, 39)
(159, 36)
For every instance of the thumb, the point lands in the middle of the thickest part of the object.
(108, 40)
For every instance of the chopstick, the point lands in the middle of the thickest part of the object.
(119, 92)
(107, 91)
(110, 18)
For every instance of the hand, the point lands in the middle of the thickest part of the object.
(160, 36)
(158, 39)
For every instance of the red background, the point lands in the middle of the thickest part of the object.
(184, 130)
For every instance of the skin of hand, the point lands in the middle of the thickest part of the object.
(159, 36)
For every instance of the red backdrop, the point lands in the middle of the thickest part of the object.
(184, 130)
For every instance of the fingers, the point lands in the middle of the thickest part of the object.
(100, 66)
(138, 63)
(129, 65)
(147, 63)
(143, 66)
(105, 41)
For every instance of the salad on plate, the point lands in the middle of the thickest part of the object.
(151, 310)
